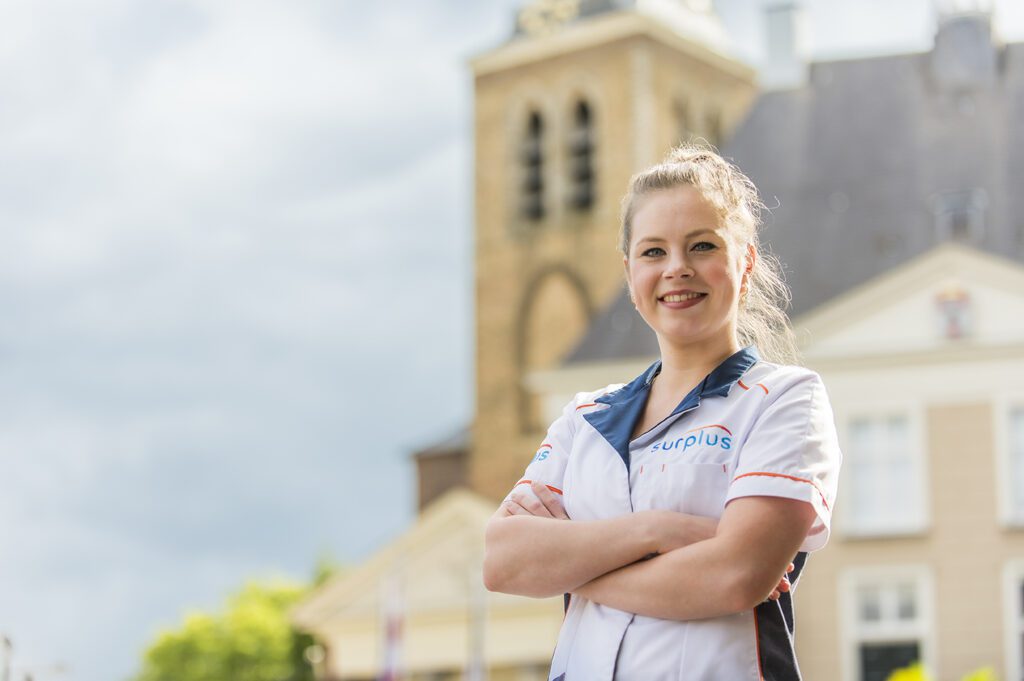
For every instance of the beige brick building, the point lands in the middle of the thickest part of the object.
(926, 559)
(898, 216)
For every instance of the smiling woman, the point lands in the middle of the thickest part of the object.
(676, 511)
(720, 188)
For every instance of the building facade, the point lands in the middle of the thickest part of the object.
(893, 186)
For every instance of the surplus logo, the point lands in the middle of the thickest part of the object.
(713, 435)
(542, 453)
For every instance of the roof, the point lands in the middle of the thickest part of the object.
(864, 164)
(458, 516)
(458, 441)
(618, 331)
(871, 163)
(928, 308)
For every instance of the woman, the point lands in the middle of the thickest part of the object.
(694, 487)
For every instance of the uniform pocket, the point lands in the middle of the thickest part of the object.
(696, 488)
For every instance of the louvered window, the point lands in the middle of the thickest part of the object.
(532, 165)
(581, 158)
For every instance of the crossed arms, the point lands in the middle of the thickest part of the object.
(701, 568)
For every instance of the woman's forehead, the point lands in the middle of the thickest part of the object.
(677, 205)
(676, 212)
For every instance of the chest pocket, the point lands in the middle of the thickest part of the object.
(696, 488)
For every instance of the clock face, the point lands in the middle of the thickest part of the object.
(545, 16)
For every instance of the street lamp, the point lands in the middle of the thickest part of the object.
(5, 643)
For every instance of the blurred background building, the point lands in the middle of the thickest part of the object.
(894, 184)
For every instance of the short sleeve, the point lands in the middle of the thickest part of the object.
(548, 463)
(792, 451)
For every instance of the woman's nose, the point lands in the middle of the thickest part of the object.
(677, 266)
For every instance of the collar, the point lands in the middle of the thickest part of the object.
(625, 405)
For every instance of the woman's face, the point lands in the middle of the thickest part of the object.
(684, 271)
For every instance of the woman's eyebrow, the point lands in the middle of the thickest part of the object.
(658, 239)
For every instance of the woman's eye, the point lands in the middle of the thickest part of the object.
(704, 246)
(653, 251)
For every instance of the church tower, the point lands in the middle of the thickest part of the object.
(584, 93)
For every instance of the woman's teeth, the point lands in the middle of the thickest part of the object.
(679, 299)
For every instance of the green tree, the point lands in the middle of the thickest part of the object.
(251, 640)
(915, 672)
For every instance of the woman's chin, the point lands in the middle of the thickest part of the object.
(689, 336)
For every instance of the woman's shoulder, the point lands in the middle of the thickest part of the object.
(780, 378)
(590, 398)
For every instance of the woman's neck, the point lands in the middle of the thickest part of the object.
(683, 367)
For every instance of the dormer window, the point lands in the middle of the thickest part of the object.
(960, 216)
(581, 158)
(532, 163)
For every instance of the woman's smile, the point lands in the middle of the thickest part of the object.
(680, 300)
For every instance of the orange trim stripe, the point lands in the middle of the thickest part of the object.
(588, 404)
(757, 646)
(747, 387)
(788, 477)
(529, 482)
(710, 425)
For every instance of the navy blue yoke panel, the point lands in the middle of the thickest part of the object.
(626, 405)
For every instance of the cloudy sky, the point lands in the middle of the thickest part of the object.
(235, 274)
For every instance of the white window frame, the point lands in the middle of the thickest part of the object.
(1013, 618)
(851, 579)
(1001, 408)
(918, 442)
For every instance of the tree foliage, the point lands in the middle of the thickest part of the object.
(251, 640)
(916, 672)
(986, 674)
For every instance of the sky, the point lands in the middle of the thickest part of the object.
(236, 289)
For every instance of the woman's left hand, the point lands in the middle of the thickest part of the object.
(784, 585)
(544, 503)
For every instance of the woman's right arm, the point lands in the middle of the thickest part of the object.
(531, 549)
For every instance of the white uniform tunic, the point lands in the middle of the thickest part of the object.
(751, 428)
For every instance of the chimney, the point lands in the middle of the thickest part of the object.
(786, 65)
(966, 51)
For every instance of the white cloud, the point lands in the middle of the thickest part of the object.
(202, 343)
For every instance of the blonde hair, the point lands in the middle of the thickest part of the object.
(762, 319)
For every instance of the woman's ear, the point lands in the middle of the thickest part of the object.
(629, 289)
(748, 267)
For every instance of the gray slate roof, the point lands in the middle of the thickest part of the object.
(864, 165)
(619, 331)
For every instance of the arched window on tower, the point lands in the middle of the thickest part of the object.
(532, 163)
(581, 158)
